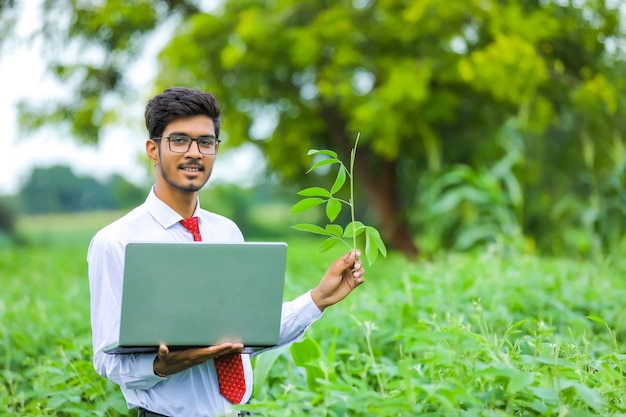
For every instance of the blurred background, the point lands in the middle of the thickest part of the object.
(480, 121)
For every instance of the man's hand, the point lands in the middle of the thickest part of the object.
(168, 363)
(343, 276)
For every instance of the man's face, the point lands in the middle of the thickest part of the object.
(188, 171)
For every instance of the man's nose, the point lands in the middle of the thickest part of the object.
(194, 149)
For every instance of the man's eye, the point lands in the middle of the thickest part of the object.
(207, 143)
(179, 139)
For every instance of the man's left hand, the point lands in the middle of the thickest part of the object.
(343, 276)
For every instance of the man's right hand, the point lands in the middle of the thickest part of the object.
(171, 362)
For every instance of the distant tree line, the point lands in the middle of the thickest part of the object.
(259, 210)
(7, 218)
(58, 189)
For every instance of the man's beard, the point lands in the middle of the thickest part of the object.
(191, 188)
(187, 188)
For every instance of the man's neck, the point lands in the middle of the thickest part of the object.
(182, 202)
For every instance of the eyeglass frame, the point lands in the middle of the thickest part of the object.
(191, 140)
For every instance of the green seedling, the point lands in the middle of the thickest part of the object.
(335, 233)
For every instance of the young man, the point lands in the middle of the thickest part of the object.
(184, 127)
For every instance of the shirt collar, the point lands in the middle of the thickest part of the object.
(163, 213)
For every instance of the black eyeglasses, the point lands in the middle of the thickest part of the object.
(207, 145)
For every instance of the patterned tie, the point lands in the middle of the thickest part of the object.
(191, 224)
(229, 367)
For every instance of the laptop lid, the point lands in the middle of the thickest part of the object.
(201, 294)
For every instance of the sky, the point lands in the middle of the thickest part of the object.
(22, 77)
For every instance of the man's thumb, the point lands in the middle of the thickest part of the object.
(163, 350)
(344, 262)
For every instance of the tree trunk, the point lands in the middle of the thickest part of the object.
(382, 195)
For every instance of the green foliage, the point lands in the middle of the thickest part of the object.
(58, 189)
(123, 194)
(45, 346)
(8, 218)
(8, 20)
(114, 32)
(317, 196)
(482, 335)
(431, 96)
(464, 207)
(487, 334)
(259, 210)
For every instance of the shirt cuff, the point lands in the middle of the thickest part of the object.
(146, 378)
(307, 307)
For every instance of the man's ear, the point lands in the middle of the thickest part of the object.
(152, 149)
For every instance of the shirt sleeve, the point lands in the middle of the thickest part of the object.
(297, 316)
(106, 265)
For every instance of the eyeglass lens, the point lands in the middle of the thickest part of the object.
(181, 144)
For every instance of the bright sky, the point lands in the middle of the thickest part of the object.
(22, 77)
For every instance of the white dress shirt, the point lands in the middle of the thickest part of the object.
(195, 391)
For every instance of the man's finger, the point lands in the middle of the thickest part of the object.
(345, 261)
(163, 350)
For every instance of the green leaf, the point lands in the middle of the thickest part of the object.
(335, 229)
(372, 231)
(262, 365)
(304, 351)
(589, 396)
(519, 381)
(311, 228)
(306, 204)
(329, 243)
(332, 372)
(380, 245)
(373, 244)
(56, 401)
(315, 192)
(340, 180)
(546, 395)
(333, 208)
(322, 151)
(353, 229)
(371, 252)
(308, 354)
(376, 240)
(322, 163)
(596, 319)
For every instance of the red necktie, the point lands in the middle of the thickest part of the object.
(229, 367)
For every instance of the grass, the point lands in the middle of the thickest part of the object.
(490, 333)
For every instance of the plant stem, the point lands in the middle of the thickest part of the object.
(369, 326)
(352, 158)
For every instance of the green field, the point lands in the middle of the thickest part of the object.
(491, 333)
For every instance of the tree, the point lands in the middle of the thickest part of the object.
(57, 189)
(8, 19)
(124, 195)
(8, 218)
(427, 84)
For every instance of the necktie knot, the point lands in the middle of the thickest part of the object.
(191, 224)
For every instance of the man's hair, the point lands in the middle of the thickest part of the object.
(178, 102)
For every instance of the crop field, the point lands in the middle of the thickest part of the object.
(488, 333)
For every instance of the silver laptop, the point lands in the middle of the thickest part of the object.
(200, 294)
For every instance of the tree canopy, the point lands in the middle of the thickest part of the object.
(427, 84)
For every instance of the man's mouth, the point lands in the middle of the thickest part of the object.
(191, 169)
